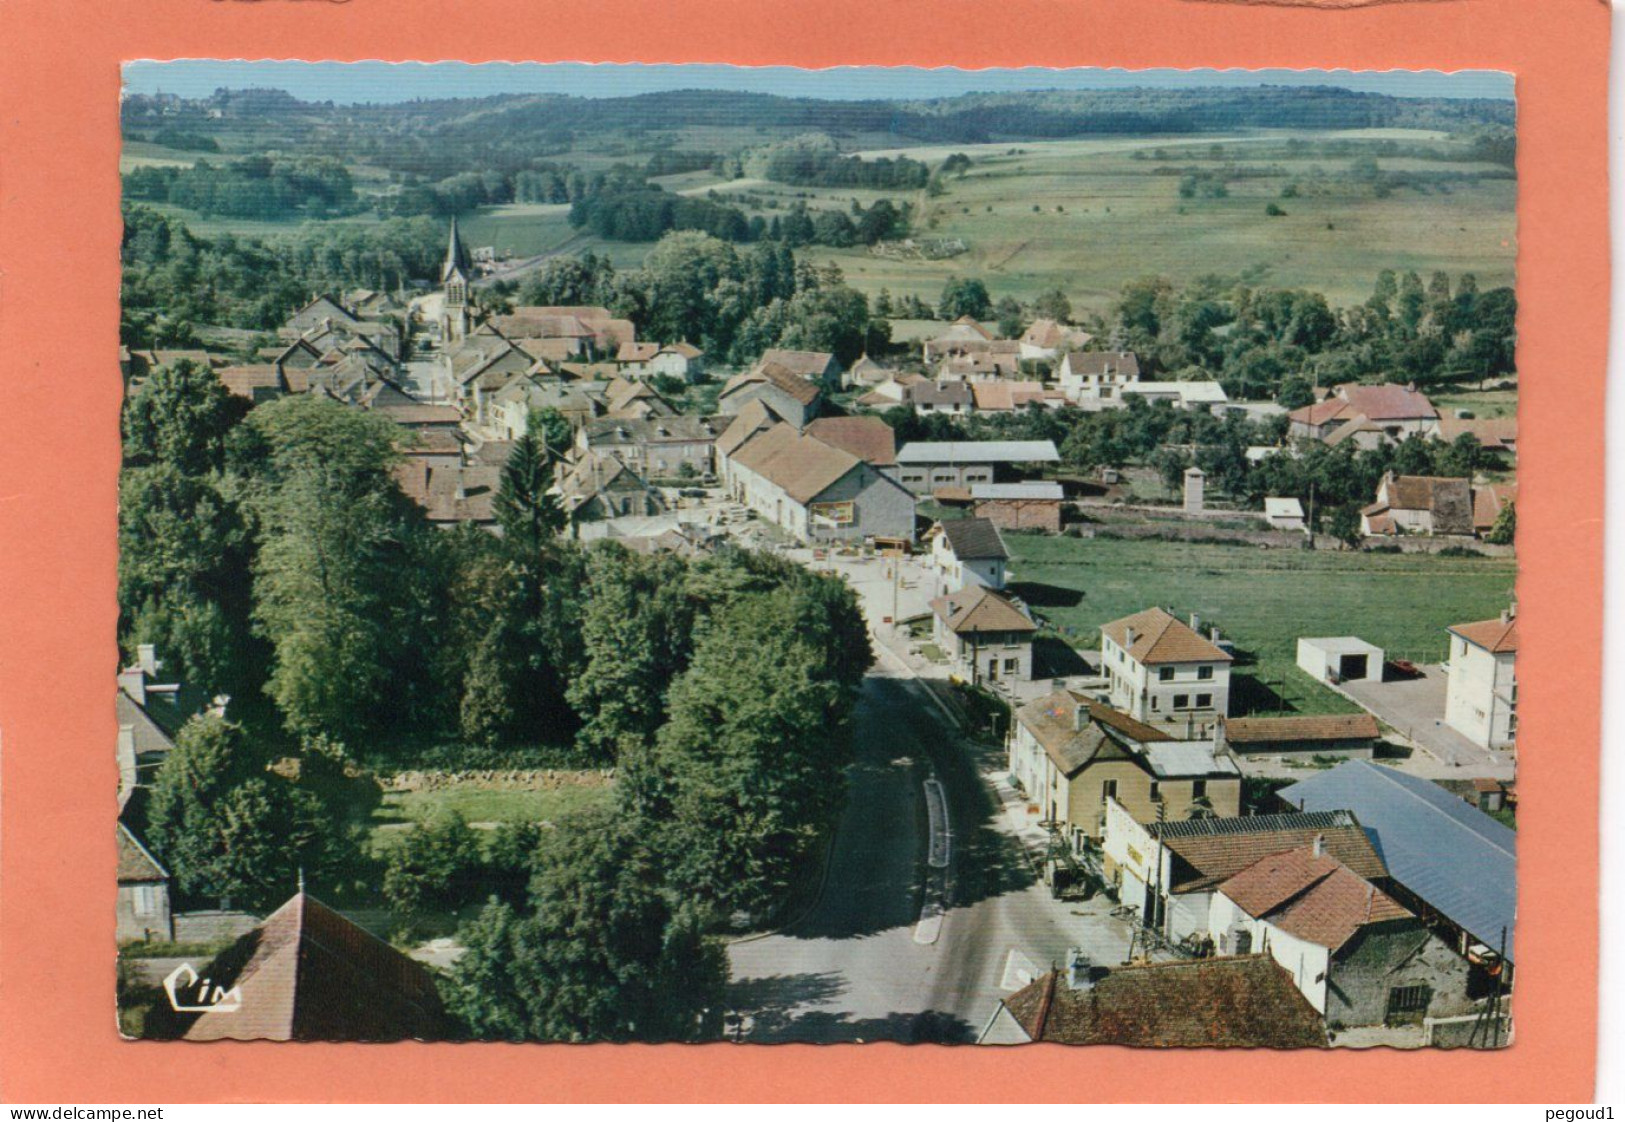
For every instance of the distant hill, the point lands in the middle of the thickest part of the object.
(437, 138)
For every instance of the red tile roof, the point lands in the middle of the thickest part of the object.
(1498, 636)
(1160, 638)
(307, 973)
(1314, 897)
(868, 438)
(1247, 1002)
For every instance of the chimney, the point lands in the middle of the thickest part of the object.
(1196, 623)
(1128, 638)
(1506, 615)
(1080, 714)
(146, 657)
(1319, 848)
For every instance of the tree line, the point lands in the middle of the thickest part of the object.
(258, 187)
(734, 302)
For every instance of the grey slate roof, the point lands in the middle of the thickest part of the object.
(1455, 857)
(975, 539)
(979, 452)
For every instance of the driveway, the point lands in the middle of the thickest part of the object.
(1414, 708)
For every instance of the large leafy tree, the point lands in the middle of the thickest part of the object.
(228, 827)
(600, 952)
(749, 762)
(339, 582)
(180, 417)
(635, 633)
(184, 575)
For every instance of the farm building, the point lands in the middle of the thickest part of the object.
(926, 465)
(1341, 659)
(1340, 734)
(1244, 1002)
(1454, 866)
(1071, 756)
(1019, 506)
(816, 492)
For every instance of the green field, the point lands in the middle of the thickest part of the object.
(1119, 219)
(478, 804)
(1104, 216)
(1263, 600)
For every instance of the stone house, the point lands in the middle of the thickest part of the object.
(596, 487)
(1392, 410)
(791, 397)
(821, 368)
(143, 913)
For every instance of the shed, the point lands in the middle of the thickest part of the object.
(1284, 514)
(1341, 659)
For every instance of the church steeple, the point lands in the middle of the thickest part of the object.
(457, 259)
(455, 277)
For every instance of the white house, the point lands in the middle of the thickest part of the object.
(1481, 689)
(1097, 375)
(969, 552)
(926, 465)
(1162, 671)
(1183, 395)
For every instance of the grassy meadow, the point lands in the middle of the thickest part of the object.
(1263, 600)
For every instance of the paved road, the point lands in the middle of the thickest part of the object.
(854, 967)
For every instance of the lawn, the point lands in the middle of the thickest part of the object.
(1263, 600)
(480, 804)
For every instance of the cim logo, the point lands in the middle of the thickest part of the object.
(190, 994)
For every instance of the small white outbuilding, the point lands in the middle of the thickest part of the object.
(1341, 659)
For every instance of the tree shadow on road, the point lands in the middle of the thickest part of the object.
(824, 1027)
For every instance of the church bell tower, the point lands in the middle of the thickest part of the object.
(456, 276)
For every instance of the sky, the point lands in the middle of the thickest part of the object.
(359, 82)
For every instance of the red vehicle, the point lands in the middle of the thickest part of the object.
(1405, 668)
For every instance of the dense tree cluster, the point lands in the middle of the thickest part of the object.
(821, 165)
(275, 552)
(174, 279)
(1268, 342)
(257, 187)
(733, 302)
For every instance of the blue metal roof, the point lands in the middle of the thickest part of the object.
(1454, 856)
